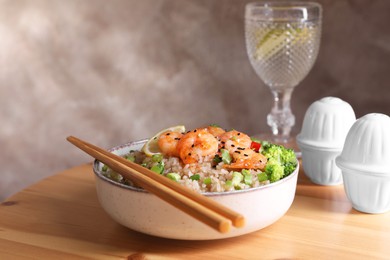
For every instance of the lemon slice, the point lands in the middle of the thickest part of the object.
(151, 146)
(274, 40)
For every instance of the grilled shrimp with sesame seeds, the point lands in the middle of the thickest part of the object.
(168, 142)
(195, 145)
(215, 130)
(234, 140)
(247, 159)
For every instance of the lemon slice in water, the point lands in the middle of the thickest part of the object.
(275, 40)
(151, 146)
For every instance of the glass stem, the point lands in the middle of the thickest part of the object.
(281, 118)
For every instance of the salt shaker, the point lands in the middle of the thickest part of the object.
(365, 163)
(325, 126)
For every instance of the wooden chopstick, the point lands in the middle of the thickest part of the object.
(198, 206)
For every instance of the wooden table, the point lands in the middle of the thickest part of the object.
(60, 217)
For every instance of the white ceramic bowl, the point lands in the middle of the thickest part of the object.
(142, 211)
(365, 164)
(325, 126)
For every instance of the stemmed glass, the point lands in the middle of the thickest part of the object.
(282, 40)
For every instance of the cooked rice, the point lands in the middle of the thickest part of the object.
(206, 169)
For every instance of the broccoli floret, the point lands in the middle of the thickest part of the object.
(281, 161)
(274, 171)
(273, 161)
(288, 156)
(289, 168)
(274, 152)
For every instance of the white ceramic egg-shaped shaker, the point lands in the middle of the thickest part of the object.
(365, 164)
(325, 126)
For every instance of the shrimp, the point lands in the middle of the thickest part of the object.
(247, 159)
(216, 131)
(234, 140)
(197, 144)
(168, 142)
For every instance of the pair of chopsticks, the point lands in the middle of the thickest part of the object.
(195, 204)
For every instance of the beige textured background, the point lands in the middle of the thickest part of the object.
(114, 71)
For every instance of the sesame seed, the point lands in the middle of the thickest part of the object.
(245, 154)
(237, 152)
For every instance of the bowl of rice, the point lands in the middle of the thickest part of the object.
(262, 194)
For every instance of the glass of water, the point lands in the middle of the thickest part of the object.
(282, 40)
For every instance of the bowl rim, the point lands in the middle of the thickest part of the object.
(101, 176)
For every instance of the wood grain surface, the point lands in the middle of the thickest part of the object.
(60, 217)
